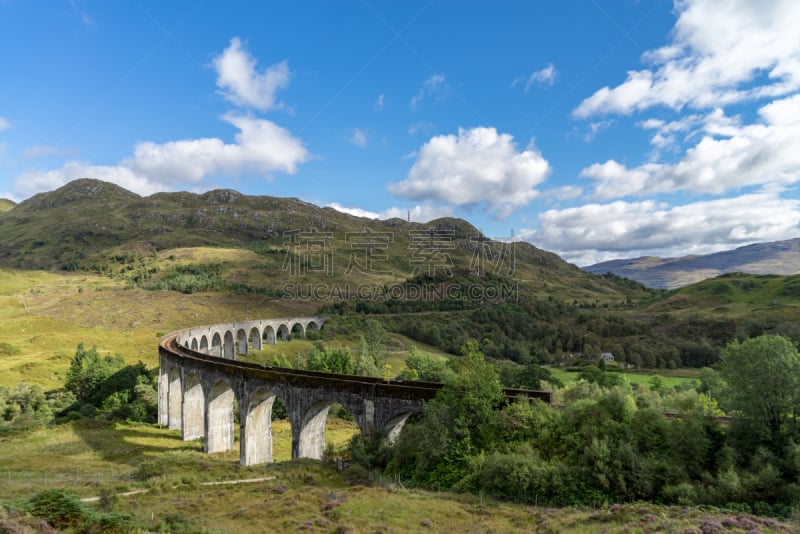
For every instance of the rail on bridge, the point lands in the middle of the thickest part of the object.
(200, 383)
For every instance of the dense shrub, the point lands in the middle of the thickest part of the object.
(330, 360)
(609, 443)
(423, 366)
(104, 386)
(24, 406)
(197, 278)
(60, 509)
(64, 511)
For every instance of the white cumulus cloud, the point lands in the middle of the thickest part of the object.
(477, 166)
(245, 86)
(4, 124)
(356, 212)
(260, 147)
(419, 213)
(729, 156)
(719, 48)
(598, 232)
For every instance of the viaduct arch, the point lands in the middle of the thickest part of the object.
(200, 381)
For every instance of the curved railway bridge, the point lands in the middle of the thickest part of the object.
(200, 382)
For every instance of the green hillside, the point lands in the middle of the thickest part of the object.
(737, 296)
(440, 283)
(97, 226)
(6, 204)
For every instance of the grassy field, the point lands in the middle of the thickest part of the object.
(87, 457)
(45, 315)
(670, 377)
(46, 341)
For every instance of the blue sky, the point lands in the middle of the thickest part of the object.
(593, 129)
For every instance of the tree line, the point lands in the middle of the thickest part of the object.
(546, 331)
(611, 444)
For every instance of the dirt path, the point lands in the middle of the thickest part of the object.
(238, 481)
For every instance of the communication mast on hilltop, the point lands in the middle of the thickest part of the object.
(409, 215)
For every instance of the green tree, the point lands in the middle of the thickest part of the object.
(330, 361)
(710, 381)
(763, 377)
(422, 366)
(87, 373)
(601, 377)
(365, 363)
(106, 384)
(24, 407)
(528, 376)
(457, 424)
(473, 395)
(657, 384)
(375, 340)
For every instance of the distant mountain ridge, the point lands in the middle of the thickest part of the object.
(777, 257)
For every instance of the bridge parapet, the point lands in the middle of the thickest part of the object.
(228, 340)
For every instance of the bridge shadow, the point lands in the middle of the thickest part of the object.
(131, 443)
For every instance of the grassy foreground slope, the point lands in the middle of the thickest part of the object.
(178, 489)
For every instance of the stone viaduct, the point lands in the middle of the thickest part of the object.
(200, 382)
